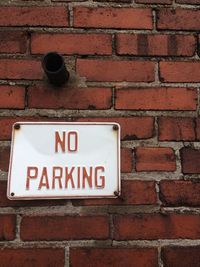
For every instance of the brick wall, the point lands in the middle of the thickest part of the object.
(133, 62)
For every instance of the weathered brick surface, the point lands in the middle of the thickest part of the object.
(64, 227)
(181, 256)
(176, 129)
(198, 128)
(12, 97)
(116, 1)
(115, 70)
(13, 42)
(188, 1)
(70, 98)
(190, 160)
(20, 69)
(126, 160)
(179, 71)
(178, 19)
(33, 16)
(81, 44)
(154, 1)
(104, 257)
(7, 227)
(20, 257)
(156, 226)
(180, 193)
(155, 44)
(122, 18)
(4, 158)
(155, 159)
(156, 98)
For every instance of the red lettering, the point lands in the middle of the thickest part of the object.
(60, 142)
(72, 141)
(78, 177)
(87, 177)
(57, 177)
(32, 173)
(69, 177)
(70, 138)
(98, 178)
(44, 182)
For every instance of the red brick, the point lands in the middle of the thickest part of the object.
(115, 70)
(64, 227)
(163, 98)
(155, 159)
(12, 97)
(109, 17)
(180, 193)
(7, 227)
(126, 160)
(68, 43)
(119, 257)
(4, 158)
(155, 44)
(176, 129)
(198, 128)
(20, 69)
(6, 127)
(23, 257)
(156, 226)
(68, 0)
(131, 127)
(154, 1)
(133, 193)
(33, 16)
(180, 71)
(5, 202)
(178, 19)
(190, 160)
(13, 42)
(70, 98)
(117, 1)
(193, 2)
(181, 256)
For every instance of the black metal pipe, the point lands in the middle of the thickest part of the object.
(55, 69)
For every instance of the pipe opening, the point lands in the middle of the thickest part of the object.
(53, 62)
(55, 69)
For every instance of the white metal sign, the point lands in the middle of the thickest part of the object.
(64, 160)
